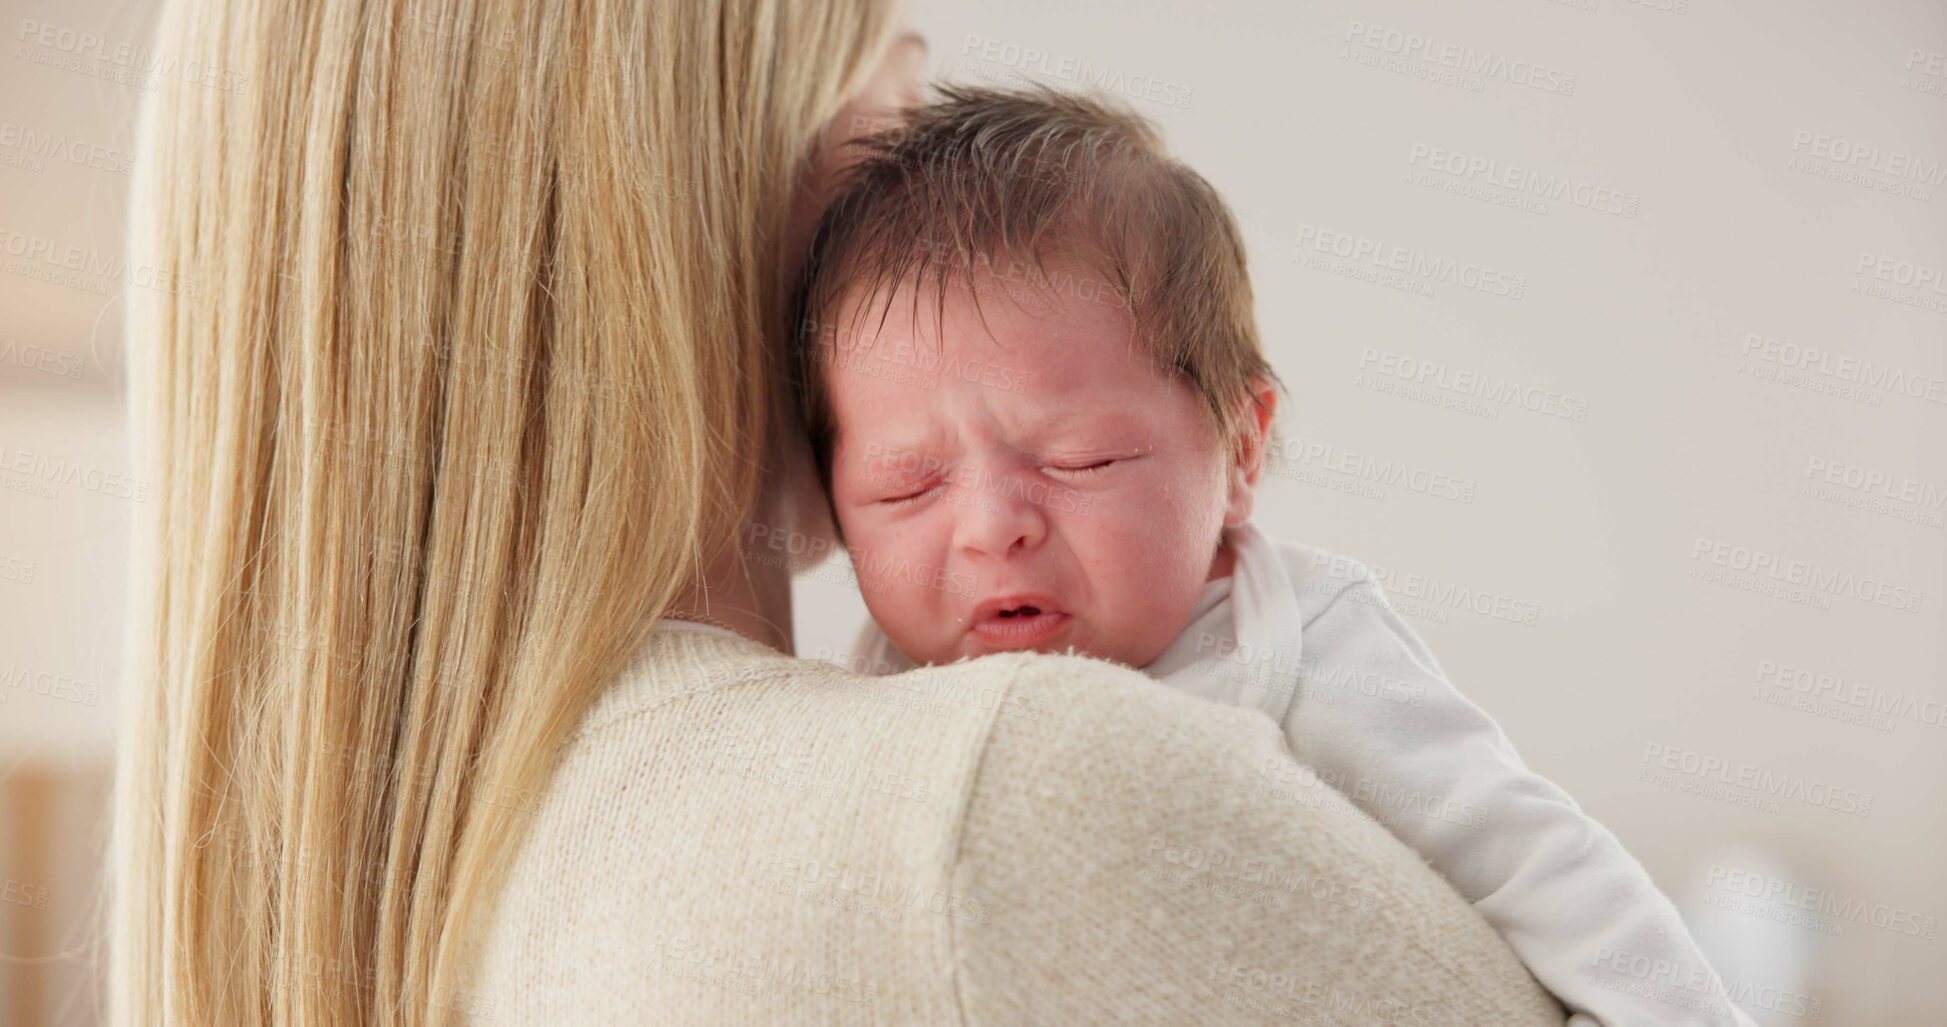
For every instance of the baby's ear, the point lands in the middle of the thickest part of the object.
(1247, 446)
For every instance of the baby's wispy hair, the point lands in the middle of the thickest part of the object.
(983, 178)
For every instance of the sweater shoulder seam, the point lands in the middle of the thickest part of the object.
(957, 844)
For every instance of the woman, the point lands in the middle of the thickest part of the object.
(458, 688)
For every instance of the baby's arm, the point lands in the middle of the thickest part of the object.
(1436, 770)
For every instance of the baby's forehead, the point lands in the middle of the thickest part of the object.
(1062, 329)
(898, 440)
(917, 399)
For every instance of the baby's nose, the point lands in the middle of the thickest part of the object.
(997, 516)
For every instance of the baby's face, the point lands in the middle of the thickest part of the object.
(1026, 483)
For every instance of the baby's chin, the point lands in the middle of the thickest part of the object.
(1044, 648)
(967, 648)
(1064, 643)
(1075, 636)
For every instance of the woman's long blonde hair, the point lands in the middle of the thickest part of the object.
(467, 329)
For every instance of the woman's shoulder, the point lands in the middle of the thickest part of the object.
(738, 836)
(1148, 851)
(726, 803)
(675, 667)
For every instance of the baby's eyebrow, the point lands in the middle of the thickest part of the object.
(912, 459)
(917, 456)
(1114, 421)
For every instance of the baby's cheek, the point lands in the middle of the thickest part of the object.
(869, 568)
(1120, 553)
(1147, 575)
(899, 606)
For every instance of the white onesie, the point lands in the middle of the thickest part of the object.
(1307, 637)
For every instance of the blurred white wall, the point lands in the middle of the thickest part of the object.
(65, 488)
(1737, 359)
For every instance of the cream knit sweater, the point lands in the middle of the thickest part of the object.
(734, 836)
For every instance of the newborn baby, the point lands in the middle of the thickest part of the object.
(1033, 382)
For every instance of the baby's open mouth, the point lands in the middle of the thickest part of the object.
(1017, 622)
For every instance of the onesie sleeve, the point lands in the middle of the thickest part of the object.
(1375, 718)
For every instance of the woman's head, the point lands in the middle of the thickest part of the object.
(476, 354)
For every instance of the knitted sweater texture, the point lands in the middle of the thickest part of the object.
(734, 836)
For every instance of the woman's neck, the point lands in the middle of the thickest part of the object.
(747, 589)
(745, 593)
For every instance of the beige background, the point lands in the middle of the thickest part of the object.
(1691, 434)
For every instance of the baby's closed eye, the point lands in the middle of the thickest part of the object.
(1082, 469)
(909, 493)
